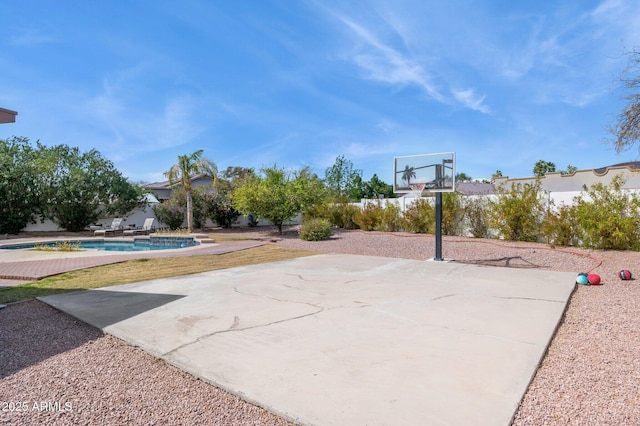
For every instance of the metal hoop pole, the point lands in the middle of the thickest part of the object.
(438, 227)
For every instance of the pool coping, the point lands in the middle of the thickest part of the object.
(34, 241)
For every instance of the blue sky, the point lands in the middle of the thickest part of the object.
(297, 83)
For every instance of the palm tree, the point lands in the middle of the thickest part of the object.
(408, 173)
(181, 173)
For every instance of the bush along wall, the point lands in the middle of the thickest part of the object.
(604, 217)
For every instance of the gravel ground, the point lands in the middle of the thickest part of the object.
(60, 371)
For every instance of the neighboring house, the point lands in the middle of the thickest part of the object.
(564, 188)
(582, 180)
(163, 190)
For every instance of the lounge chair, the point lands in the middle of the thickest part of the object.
(145, 230)
(116, 225)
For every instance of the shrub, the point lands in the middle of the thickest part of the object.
(369, 217)
(171, 213)
(317, 211)
(419, 217)
(476, 215)
(343, 215)
(609, 218)
(389, 218)
(340, 214)
(316, 230)
(559, 225)
(517, 212)
(200, 201)
(452, 213)
(221, 211)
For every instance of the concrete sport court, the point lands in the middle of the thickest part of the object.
(345, 339)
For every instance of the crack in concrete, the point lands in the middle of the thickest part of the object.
(232, 329)
(300, 277)
(237, 290)
(444, 296)
(236, 320)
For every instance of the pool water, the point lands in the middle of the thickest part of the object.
(136, 245)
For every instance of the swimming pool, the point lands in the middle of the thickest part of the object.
(138, 244)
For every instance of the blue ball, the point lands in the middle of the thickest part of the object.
(582, 279)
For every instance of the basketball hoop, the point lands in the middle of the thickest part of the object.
(417, 189)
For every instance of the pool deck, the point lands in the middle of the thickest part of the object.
(20, 266)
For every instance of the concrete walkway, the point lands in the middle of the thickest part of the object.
(344, 339)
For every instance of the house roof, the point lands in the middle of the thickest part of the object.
(628, 164)
(7, 116)
(166, 185)
(474, 188)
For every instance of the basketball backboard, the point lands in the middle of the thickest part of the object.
(436, 171)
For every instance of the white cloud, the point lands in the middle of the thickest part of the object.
(409, 63)
(470, 100)
(386, 64)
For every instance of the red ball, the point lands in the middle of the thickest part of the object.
(594, 279)
(624, 274)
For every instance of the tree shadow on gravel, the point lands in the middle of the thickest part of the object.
(32, 331)
(507, 261)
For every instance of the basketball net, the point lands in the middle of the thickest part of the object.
(417, 189)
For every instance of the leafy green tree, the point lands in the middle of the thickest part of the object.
(19, 194)
(232, 176)
(356, 190)
(376, 187)
(342, 180)
(181, 174)
(496, 175)
(78, 188)
(463, 177)
(570, 170)
(517, 212)
(542, 167)
(277, 195)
